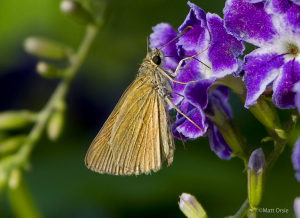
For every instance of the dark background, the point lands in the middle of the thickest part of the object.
(60, 183)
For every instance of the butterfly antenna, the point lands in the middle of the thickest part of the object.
(180, 34)
(147, 39)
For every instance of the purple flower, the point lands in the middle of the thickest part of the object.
(297, 96)
(296, 159)
(199, 102)
(218, 56)
(273, 26)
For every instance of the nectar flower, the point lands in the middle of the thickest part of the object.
(217, 57)
(274, 27)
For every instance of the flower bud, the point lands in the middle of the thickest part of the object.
(281, 133)
(256, 169)
(16, 119)
(265, 113)
(46, 48)
(297, 207)
(11, 144)
(48, 70)
(189, 205)
(14, 179)
(55, 125)
(3, 180)
(228, 130)
(76, 12)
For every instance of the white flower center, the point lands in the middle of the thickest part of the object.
(292, 50)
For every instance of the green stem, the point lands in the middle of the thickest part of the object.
(278, 149)
(58, 96)
(280, 143)
(20, 199)
(252, 213)
(243, 210)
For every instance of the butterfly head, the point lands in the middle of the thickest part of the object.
(156, 57)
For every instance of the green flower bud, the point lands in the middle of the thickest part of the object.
(48, 70)
(256, 169)
(281, 133)
(16, 119)
(191, 208)
(11, 144)
(3, 180)
(46, 48)
(55, 125)
(265, 113)
(14, 179)
(76, 12)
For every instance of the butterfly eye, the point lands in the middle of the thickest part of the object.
(156, 59)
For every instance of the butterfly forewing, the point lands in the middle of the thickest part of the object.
(136, 138)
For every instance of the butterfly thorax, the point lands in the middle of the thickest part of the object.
(150, 70)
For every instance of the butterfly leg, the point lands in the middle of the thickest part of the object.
(169, 101)
(185, 59)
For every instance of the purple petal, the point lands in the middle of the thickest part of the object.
(224, 48)
(195, 16)
(223, 91)
(185, 127)
(239, 72)
(197, 93)
(257, 160)
(219, 98)
(286, 14)
(218, 144)
(296, 2)
(254, 1)
(190, 72)
(283, 96)
(162, 34)
(176, 134)
(297, 97)
(296, 158)
(249, 22)
(278, 6)
(196, 39)
(261, 69)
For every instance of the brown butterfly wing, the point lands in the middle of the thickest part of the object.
(99, 156)
(136, 138)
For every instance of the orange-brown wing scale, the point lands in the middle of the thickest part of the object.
(136, 138)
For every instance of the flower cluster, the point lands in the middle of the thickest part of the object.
(218, 52)
(216, 47)
(274, 27)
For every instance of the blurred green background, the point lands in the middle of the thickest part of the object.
(60, 183)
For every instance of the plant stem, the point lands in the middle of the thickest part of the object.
(21, 201)
(278, 149)
(243, 210)
(58, 96)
